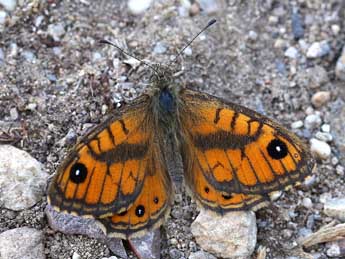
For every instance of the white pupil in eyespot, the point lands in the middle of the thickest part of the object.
(77, 172)
(278, 148)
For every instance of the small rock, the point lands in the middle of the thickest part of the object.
(335, 29)
(22, 179)
(326, 128)
(297, 124)
(312, 121)
(333, 250)
(194, 9)
(188, 51)
(320, 149)
(280, 44)
(185, 8)
(38, 20)
(2, 57)
(96, 56)
(31, 106)
(209, 6)
(201, 255)
(137, 7)
(340, 170)
(320, 98)
(56, 31)
(314, 77)
(307, 203)
(325, 197)
(9, 5)
(21, 243)
(233, 234)
(340, 66)
(324, 136)
(147, 246)
(76, 256)
(29, 56)
(159, 48)
(3, 16)
(14, 114)
(175, 253)
(318, 49)
(297, 27)
(291, 52)
(335, 208)
(252, 35)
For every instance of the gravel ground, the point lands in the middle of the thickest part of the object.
(56, 81)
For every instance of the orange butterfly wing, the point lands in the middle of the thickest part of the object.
(234, 157)
(113, 170)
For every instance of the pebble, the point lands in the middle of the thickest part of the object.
(336, 249)
(14, 114)
(297, 26)
(312, 121)
(9, 5)
(326, 128)
(314, 77)
(137, 7)
(38, 20)
(22, 242)
(56, 31)
(340, 66)
(76, 255)
(340, 170)
(324, 136)
(252, 35)
(201, 255)
(318, 49)
(335, 29)
(175, 253)
(3, 16)
(335, 208)
(241, 225)
(209, 6)
(320, 98)
(188, 51)
(320, 149)
(185, 8)
(291, 52)
(307, 203)
(160, 48)
(2, 57)
(22, 179)
(29, 56)
(297, 124)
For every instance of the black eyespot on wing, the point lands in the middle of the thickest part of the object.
(277, 149)
(156, 200)
(140, 211)
(227, 196)
(78, 173)
(207, 190)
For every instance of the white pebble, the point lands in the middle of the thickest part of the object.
(252, 35)
(76, 256)
(335, 29)
(324, 136)
(318, 49)
(297, 124)
(137, 7)
(9, 5)
(312, 121)
(56, 31)
(320, 149)
(340, 66)
(3, 15)
(307, 203)
(326, 128)
(291, 52)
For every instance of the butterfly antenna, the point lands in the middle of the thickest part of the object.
(210, 23)
(114, 45)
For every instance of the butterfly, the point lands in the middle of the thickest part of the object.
(233, 159)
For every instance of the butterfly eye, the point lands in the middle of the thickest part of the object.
(78, 173)
(140, 211)
(277, 149)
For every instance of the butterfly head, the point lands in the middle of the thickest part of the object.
(162, 77)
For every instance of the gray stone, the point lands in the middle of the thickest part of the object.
(228, 236)
(312, 121)
(74, 225)
(335, 208)
(22, 179)
(9, 5)
(291, 52)
(56, 31)
(297, 26)
(147, 246)
(201, 255)
(318, 49)
(340, 66)
(138, 7)
(159, 48)
(22, 243)
(320, 149)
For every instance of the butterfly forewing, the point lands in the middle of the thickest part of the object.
(106, 171)
(229, 150)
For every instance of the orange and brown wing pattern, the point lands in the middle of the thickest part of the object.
(104, 174)
(233, 156)
(151, 206)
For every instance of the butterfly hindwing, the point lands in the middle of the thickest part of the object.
(237, 153)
